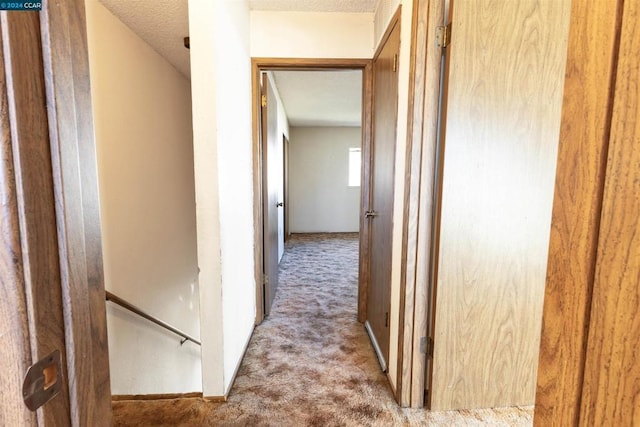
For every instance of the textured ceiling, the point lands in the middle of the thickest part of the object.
(315, 5)
(327, 98)
(321, 98)
(163, 24)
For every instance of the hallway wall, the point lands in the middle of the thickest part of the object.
(320, 198)
(142, 113)
(311, 35)
(221, 82)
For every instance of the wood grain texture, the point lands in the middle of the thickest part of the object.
(611, 388)
(410, 212)
(506, 76)
(32, 161)
(15, 351)
(256, 128)
(365, 192)
(584, 139)
(385, 108)
(421, 146)
(73, 155)
(264, 64)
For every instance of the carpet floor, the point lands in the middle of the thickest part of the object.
(310, 363)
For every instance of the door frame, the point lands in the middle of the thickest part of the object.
(420, 215)
(259, 65)
(72, 207)
(285, 185)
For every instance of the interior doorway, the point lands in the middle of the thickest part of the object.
(269, 242)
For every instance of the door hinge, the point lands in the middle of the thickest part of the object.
(263, 101)
(386, 319)
(426, 346)
(395, 63)
(265, 279)
(443, 35)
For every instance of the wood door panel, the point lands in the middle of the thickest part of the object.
(270, 183)
(73, 156)
(506, 73)
(611, 387)
(37, 259)
(385, 82)
(15, 351)
(584, 137)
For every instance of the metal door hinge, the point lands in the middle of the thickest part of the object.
(43, 381)
(265, 279)
(263, 101)
(443, 35)
(426, 346)
(395, 63)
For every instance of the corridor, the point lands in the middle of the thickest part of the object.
(310, 362)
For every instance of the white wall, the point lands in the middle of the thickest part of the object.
(221, 82)
(311, 35)
(142, 113)
(320, 198)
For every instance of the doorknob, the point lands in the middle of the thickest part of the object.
(370, 214)
(279, 205)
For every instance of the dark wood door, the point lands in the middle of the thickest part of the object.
(380, 213)
(52, 303)
(31, 315)
(270, 184)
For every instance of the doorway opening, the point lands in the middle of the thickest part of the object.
(282, 200)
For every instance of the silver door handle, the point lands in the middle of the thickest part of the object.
(370, 214)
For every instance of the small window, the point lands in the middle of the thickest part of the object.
(355, 160)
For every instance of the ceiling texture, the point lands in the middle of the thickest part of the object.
(351, 6)
(163, 24)
(321, 98)
(327, 98)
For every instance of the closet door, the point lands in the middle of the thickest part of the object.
(380, 213)
(501, 127)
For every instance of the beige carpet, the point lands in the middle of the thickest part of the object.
(310, 363)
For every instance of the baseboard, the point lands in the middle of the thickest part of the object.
(117, 397)
(333, 233)
(220, 399)
(235, 372)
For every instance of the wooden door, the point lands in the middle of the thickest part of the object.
(285, 185)
(503, 103)
(31, 303)
(51, 280)
(589, 372)
(270, 184)
(611, 385)
(380, 213)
